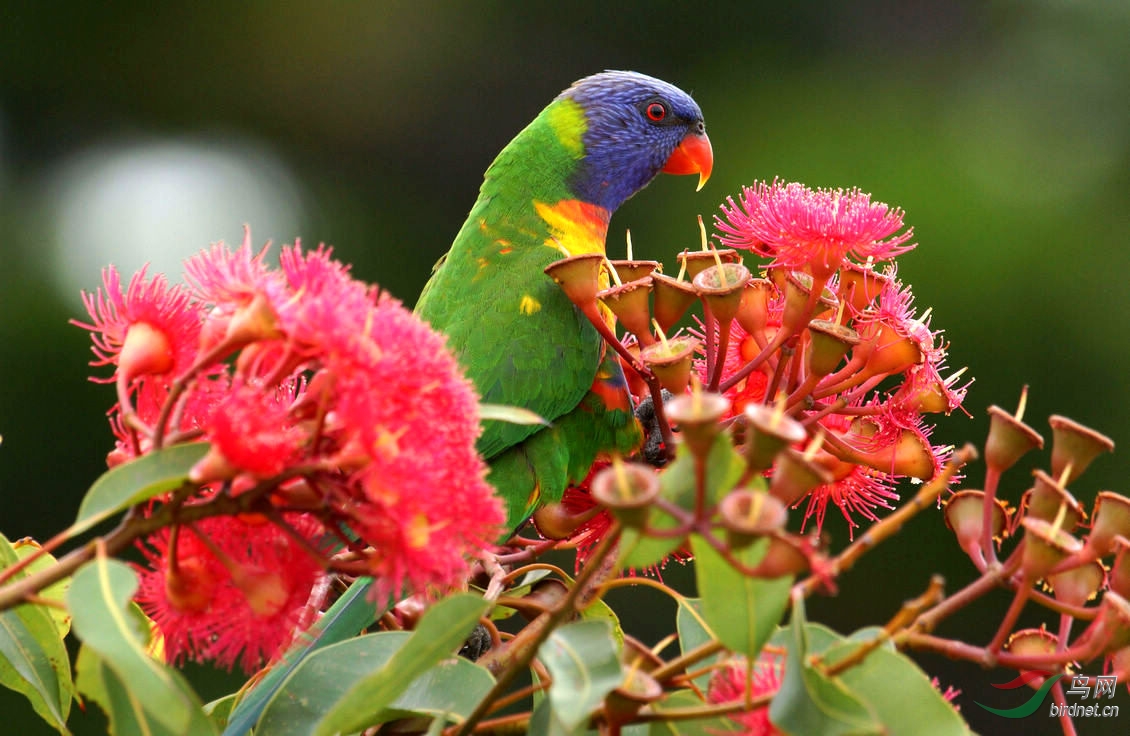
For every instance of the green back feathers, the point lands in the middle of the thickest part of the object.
(518, 338)
(538, 162)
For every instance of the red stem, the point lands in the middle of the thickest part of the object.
(708, 332)
(778, 340)
(845, 373)
(217, 353)
(988, 549)
(787, 353)
(720, 354)
(1065, 721)
(1009, 619)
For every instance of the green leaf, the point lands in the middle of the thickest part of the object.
(30, 664)
(219, 710)
(311, 691)
(598, 610)
(898, 692)
(449, 690)
(809, 702)
(638, 552)
(124, 704)
(818, 636)
(743, 611)
(33, 659)
(99, 601)
(584, 662)
(136, 481)
(345, 618)
(511, 414)
(887, 680)
(693, 633)
(539, 695)
(691, 626)
(56, 591)
(546, 721)
(437, 635)
(724, 467)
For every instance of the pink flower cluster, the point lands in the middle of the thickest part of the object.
(322, 397)
(869, 411)
(811, 229)
(732, 681)
(828, 342)
(235, 590)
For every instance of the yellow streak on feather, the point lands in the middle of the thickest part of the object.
(571, 228)
(481, 272)
(528, 305)
(567, 120)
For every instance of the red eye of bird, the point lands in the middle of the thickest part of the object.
(656, 111)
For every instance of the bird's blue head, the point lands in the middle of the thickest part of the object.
(637, 126)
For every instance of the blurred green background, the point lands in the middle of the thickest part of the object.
(134, 132)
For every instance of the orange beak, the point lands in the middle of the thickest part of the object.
(693, 155)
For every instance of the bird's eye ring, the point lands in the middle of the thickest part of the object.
(656, 111)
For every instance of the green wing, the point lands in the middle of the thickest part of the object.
(539, 469)
(517, 336)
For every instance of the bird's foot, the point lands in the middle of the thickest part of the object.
(653, 453)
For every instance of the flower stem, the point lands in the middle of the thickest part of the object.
(774, 344)
(118, 539)
(1065, 721)
(699, 486)
(706, 711)
(680, 663)
(517, 696)
(992, 578)
(46, 548)
(724, 330)
(988, 549)
(217, 353)
(531, 552)
(511, 725)
(518, 572)
(542, 627)
(708, 325)
(884, 529)
(1064, 609)
(788, 351)
(636, 582)
(960, 650)
(1010, 616)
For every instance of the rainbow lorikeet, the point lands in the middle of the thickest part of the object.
(548, 194)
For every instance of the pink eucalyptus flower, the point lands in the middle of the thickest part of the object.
(151, 329)
(229, 590)
(813, 230)
(729, 684)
